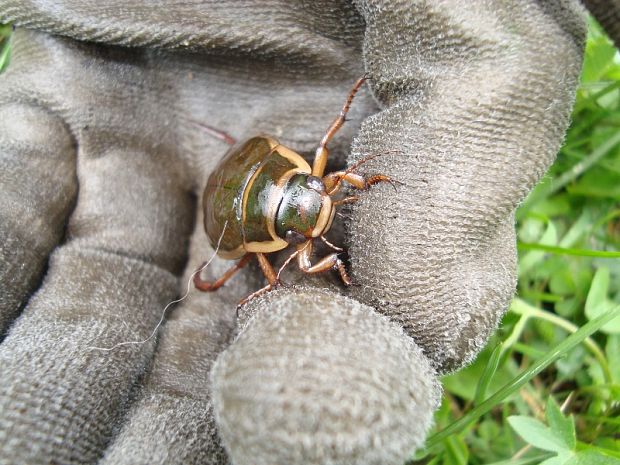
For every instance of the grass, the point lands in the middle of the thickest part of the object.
(5, 49)
(547, 387)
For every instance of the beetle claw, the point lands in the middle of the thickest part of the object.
(258, 293)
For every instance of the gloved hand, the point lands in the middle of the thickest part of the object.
(103, 163)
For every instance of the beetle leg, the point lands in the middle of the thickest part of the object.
(351, 199)
(333, 181)
(267, 269)
(321, 154)
(329, 262)
(269, 273)
(261, 291)
(208, 286)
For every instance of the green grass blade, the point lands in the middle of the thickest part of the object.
(568, 251)
(5, 53)
(526, 460)
(487, 375)
(566, 345)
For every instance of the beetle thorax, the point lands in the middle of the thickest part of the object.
(305, 211)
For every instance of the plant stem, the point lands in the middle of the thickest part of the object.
(567, 251)
(520, 307)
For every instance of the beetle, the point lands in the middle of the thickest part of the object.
(264, 197)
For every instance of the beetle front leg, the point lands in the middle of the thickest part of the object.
(329, 262)
(320, 157)
(333, 181)
(208, 286)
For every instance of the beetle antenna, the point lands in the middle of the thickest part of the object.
(329, 244)
(217, 133)
(163, 313)
(290, 258)
(285, 264)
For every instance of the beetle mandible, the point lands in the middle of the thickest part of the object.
(263, 197)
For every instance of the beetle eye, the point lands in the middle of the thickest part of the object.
(315, 183)
(293, 237)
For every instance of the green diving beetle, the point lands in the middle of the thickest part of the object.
(264, 197)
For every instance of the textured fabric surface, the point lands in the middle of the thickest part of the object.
(101, 168)
(379, 381)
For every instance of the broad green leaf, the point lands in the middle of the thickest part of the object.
(553, 461)
(609, 445)
(550, 266)
(592, 457)
(562, 283)
(597, 302)
(571, 364)
(537, 434)
(547, 332)
(532, 228)
(563, 426)
(597, 374)
(612, 349)
(583, 279)
(598, 289)
(560, 459)
(568, 307)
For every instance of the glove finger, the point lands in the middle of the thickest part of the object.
(479, 113)
(36, 147)
(315, 377)
(172, 419)
(60, 398)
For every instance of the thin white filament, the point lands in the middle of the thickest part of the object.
(163, 313)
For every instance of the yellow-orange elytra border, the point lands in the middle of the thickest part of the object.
(232, 254)
(325, 215)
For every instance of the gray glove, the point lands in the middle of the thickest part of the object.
(101, 168)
